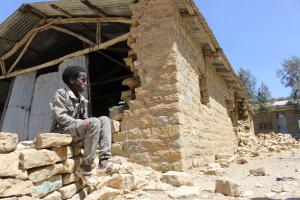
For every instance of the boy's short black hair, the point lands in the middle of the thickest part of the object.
(71, 72)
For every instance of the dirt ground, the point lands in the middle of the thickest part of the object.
(282, 179)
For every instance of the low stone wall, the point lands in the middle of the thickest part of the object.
(43, 169)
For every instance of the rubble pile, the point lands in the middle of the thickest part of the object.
(251, 145)
(45, 169)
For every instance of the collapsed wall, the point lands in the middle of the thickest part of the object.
(179, 117)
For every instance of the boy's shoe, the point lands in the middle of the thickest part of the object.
(108, 167)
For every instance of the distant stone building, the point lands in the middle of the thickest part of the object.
(155, 65)
(281, 117)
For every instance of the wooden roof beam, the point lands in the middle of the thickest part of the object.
(89, 42)
(60, 10)
(2, 65)
(75, 54)
(97, 10)
(34, 11)
(90, 20)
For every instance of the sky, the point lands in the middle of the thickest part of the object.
(254, 34)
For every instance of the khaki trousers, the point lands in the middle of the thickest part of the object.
(97, 133)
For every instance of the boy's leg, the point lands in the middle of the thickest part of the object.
(105, 138)
(91, 139)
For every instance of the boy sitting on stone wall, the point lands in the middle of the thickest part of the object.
(69, 110)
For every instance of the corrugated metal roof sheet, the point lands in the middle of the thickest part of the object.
(18, 24)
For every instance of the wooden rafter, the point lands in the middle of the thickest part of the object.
(89, 42)
(96, 10)
(195, 19)
(98, 33)
(18, 45)
(23, 51)
(75, 54)
(2, 65)
(60, 10)
(35, 11)
(90, 20)
(78, 36)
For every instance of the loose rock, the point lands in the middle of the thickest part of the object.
(8, 142)
(176, 178)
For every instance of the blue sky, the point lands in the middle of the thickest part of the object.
(254, 34)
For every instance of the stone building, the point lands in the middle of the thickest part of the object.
(281, 117)
(154, 66)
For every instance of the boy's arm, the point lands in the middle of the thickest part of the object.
(59, 110)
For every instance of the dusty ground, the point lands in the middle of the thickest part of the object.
(282, 180)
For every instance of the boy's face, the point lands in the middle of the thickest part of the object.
(79, 83)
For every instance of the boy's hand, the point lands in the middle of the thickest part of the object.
(85, 124)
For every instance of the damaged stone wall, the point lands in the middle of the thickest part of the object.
(166, 126)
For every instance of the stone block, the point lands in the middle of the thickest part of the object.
(82, 194)
(115, 126)
(9, 164)
(46, 186)
(227, 187)
(257, 172)
(69, 190)
(117, 149)
(64, 152)
(46, 140)
(131, 83)
(119, 137)
(70, 165)
(185, 192)
(53, 196)
(176, 178)
(15, 187)
(127, 95)
(8, 142)
(69, 178)
(35, 158)
(119, 181)
(103, 194)
(27, 198)
(224, 156)
(42, 173)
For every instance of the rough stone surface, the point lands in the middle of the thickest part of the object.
(161, 127)
(9, 164)
(69, 190)
(46, 186)
(53, 196)
(227, 187)
(185, 192)
(117, 181)
(15, 187)
(70, 165)
(42, 173)
(103, 194)
(115, 126)
(35, 158)
(27, 198)
(46, 140)
(82, 194)
(257, 172)
(69, 178)
(8, 142)
(177, 178)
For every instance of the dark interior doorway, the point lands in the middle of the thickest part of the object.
(107, 70)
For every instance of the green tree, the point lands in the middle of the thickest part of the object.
(249, 83)
(290, 76)
(263, 96)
